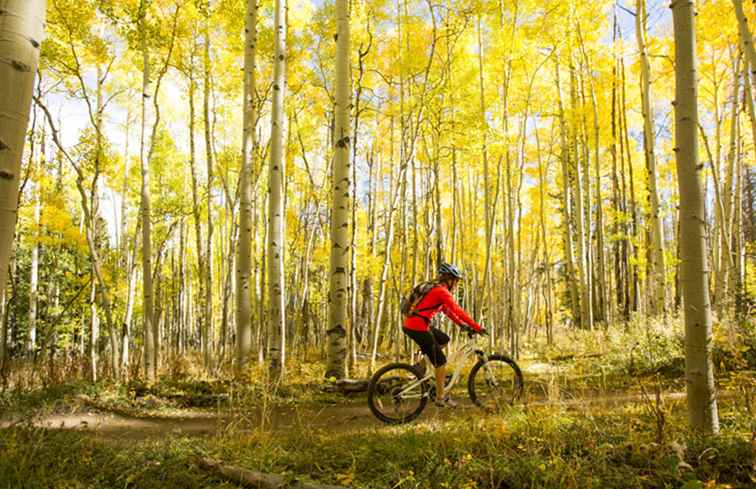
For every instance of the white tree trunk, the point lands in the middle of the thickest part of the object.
(337, 311)
(276, 248)
(746, 41)
(746, 37)
(208, 303)
(21, 32)
(31, 345)
(656, 275)
(244, 250)
(148, 312)
(702, 403)
(94, 329)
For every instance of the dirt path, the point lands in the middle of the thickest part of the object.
(351, 416)
(194, 422)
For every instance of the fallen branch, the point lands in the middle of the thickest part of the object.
(257, 480)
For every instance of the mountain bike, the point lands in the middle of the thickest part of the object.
(398, 392)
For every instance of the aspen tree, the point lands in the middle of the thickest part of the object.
(148, 309)
(600, 308)
(489, 210)
(746, 37)
(739, 237)
(94, 330)
(699, 368)
(352, 348)
(579, 202)
(146, 154)
(196, 205)
(276, 238)
(748, 100)
(567, 201)
(127, 256)
(620, 244)
(244, 258)
(208, 330)
(656, 266)
(21, 32)
(337, 300)
(542, 170)
(31, 335)
(625, 136)
(726, 205)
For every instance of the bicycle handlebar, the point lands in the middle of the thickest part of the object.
(471, 332)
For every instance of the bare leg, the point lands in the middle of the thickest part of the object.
(440, 378)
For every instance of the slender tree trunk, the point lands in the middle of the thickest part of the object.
(746, 37)
(583, 272)
(21, 32)
(276, 238)
(601, 307)
(31, 345)
(148, 312)
(748, 99)
(571, 279)
(353, 323)
(741, 201)
(656, 252)
(699, 368)
(726, 261)
(94, 330)
(196, 205)
(126, 255)
(489, 213)
(337, 313)
(624, 135)
(208, 303)
(244, 259)
(542, 183)
(386, 266)
(618, 222)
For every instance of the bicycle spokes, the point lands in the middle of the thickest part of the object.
(496, 383)
(397, 394)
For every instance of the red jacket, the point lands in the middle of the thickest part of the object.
(441, 300)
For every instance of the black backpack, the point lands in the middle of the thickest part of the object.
(410, 301)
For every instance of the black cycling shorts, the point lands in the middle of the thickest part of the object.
(430, 343)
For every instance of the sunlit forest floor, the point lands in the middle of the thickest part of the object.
(604, 410)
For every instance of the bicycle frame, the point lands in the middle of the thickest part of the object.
(458, 356)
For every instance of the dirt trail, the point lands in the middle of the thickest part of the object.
(194, 422)
(352, 416)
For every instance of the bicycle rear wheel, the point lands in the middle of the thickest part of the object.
(495, 384)
(396, 393)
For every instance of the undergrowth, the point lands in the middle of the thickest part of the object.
(641, 443)
(535, 448)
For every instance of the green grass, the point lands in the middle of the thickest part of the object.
(543, 448)
(631, 445)
(546, 447)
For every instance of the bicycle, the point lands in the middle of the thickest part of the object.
(398, 392)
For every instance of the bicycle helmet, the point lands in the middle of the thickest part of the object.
(449, 269)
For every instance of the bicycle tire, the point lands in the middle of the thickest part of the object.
(511, 392)
(381, 381)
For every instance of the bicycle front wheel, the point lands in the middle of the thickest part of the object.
(397, 394)
(495, 384)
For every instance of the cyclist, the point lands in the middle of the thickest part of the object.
(417, 323)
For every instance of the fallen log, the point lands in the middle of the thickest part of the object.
(347, 386)
(258, 480)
